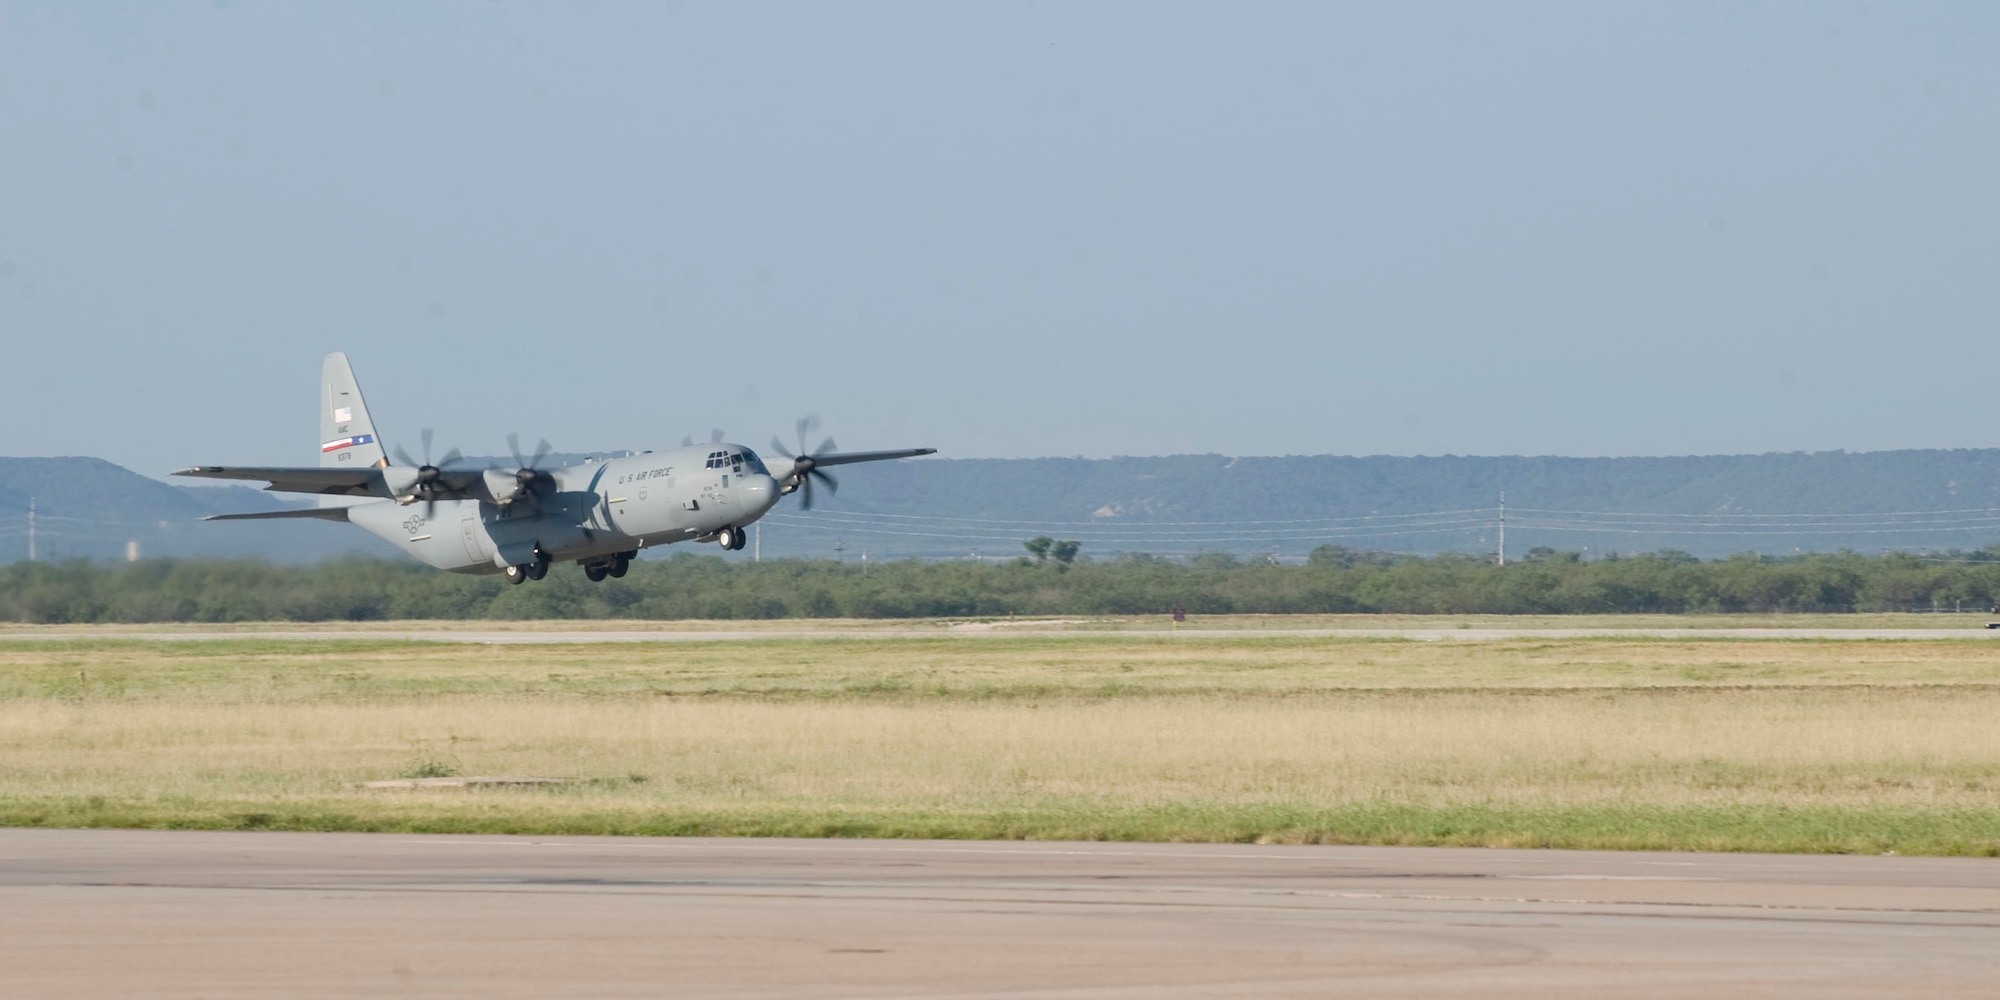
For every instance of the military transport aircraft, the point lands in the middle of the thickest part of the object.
(518, 520)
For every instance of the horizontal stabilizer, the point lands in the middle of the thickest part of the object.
(366, 482)
(314, 513)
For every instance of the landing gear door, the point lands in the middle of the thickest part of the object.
(477, 547)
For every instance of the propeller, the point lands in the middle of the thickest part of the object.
(803, 469)
(715, 436)
(427, 474)
(527, 471)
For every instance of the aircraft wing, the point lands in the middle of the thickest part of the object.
(362, 482)
(851, 457)
(319, 513)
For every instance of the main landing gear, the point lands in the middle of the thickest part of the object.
(731, 537)
(615, 566)
(595, 570)
(529, 570)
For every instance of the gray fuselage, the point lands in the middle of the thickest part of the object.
(595, 510)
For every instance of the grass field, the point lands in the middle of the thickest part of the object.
(1790, 745)
(1093, 624)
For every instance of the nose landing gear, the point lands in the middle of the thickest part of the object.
(730, 537)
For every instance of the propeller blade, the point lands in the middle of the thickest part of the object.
(403, 457)
(806, 425)
(779, 448)
(542, 450)
(450, 457)
(715, 435)
(832, 484)
(824, 447)
(687, 440)
(806, 493)
(426, 435)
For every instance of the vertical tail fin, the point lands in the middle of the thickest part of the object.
(347, 437)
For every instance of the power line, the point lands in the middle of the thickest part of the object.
(1636, 521)
(1823, 530)
(1155, 534)
(1110, 523)
(1884, 513)
(1827, 525)
(1132, 534)
(1248, 537)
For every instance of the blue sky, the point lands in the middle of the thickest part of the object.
(1002, 229)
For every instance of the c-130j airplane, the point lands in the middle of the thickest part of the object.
(518, 520)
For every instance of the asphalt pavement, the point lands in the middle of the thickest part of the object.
(190, 914)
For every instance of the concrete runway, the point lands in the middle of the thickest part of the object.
(174, 914)
(528, 637)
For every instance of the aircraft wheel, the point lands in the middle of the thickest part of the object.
(515, 574)
(623, 563)
(742, 537)
(595, 572)
(538, 569)
(727, 537)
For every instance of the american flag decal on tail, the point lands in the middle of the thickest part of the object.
(346, 442)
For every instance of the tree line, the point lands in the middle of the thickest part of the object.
(1333, 580)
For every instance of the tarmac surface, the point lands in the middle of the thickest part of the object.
(510, 637)
(183, 914)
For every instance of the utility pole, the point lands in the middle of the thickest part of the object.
(31, 529)
(1503, 527)
(840, 548)
(756, 543)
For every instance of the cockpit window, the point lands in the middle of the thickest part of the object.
(736, 461)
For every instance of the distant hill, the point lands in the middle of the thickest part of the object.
(89, 508)
(1710, 506)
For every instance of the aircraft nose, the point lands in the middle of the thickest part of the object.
(762, 489)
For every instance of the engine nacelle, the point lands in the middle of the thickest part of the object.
(503, 485)
(402, 482)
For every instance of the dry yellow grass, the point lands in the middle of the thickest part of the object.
(1079, 667)
(1691, 748)
(1586, 743)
